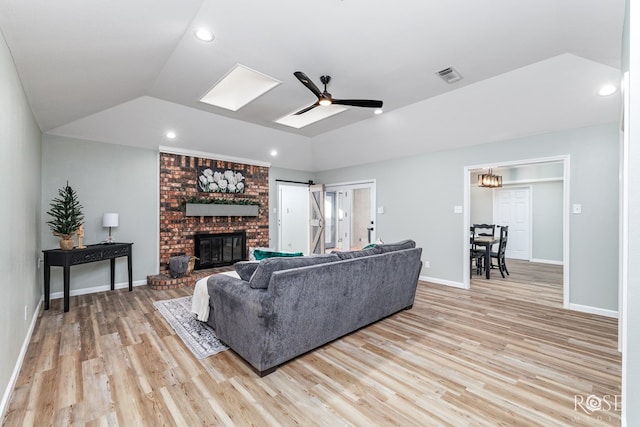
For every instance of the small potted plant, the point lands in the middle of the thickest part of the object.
(67, 216)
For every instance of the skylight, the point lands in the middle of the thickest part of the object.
(239, 87)
(310, 116)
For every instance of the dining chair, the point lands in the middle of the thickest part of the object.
(475, 254)
(500, 254)
(484, 230)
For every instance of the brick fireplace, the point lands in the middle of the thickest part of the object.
(178, 181)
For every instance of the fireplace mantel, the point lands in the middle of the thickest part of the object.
(213, 209)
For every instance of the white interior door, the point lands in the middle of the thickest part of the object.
(293, 218)
(512, 208)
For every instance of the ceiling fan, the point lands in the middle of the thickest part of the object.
(325, 98)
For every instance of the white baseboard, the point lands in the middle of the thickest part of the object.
(443, 282)
(94, 289)
(594, 310)
(16, 370)
(546, 261)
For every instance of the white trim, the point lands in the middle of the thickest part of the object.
(521, 162)
(531, 181)
(566, 242)
(594, 310)
(355, 184)
(546, 261)
(96, 289)
(437, 281)
(159, 167)
(8, 391)
(211, 156)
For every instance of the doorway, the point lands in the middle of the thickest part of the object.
(350, 215)
(562, 162)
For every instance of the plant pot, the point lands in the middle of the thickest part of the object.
(66, 243)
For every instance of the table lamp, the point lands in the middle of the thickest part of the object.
(110, 220)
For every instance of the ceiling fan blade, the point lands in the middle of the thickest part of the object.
(369, 103)
(308, 83)
(304, 110)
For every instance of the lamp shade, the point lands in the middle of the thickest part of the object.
(110, 220)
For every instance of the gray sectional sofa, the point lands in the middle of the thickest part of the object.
(281, 308)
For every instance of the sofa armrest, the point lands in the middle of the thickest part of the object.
(241, 316)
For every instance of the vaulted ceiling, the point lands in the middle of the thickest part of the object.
(125, 72)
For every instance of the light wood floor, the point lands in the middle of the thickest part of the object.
(489, 356)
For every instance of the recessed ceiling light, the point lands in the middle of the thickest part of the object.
(607, 90)
(204, 35)
(171, 135)
(377, 111)
(274, 153)
(239, 87)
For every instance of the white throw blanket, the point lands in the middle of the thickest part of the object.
(200, 300)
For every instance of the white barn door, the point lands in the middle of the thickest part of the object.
(512, 208)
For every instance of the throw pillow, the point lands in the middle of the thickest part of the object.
(389, 247)
(261, 277)
(358, 254)
(245, 269)
(261, 254)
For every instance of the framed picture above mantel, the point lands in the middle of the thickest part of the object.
(212, 180)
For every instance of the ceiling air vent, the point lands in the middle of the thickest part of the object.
(449, 75)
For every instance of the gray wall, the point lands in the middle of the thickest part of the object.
(20, 216)
(419, 194)
(107, 178)
(546, 221)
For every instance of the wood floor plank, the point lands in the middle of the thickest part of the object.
(504, 352)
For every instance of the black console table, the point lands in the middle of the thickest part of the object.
(92, 253)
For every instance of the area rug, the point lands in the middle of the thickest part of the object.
(199, 337)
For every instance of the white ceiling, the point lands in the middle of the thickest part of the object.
(127, 71)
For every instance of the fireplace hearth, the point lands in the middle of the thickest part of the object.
(216, 250)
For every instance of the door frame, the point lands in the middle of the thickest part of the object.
(354, 185)
(566, 162)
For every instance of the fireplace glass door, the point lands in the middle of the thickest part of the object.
(216, 250)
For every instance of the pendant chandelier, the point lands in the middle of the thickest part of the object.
(489, 180)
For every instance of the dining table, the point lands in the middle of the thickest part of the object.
(487, 242)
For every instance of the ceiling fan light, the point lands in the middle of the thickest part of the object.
(324, 101)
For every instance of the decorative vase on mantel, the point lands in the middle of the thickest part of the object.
(67, 216)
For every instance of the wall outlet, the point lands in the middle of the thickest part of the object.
(427, 264)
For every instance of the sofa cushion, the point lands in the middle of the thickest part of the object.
(245, 269)
(261, 277)
(389, 247)
(358, 254)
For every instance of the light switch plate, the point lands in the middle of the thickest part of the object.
(576, 208)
